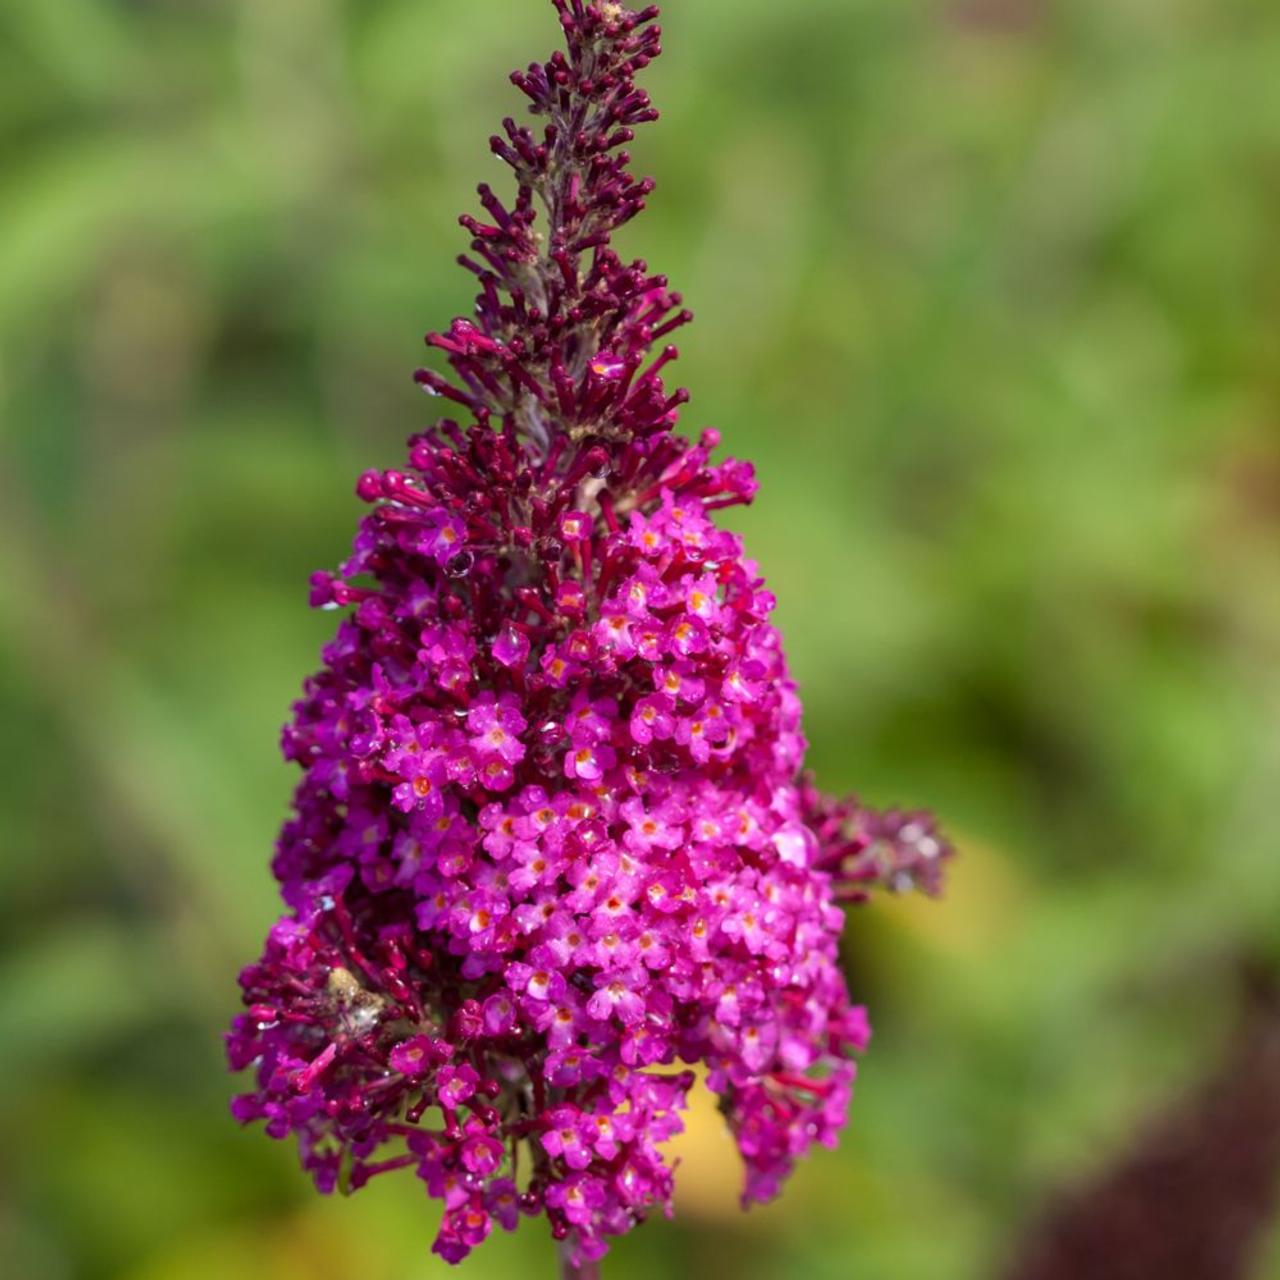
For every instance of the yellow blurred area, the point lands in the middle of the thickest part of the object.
(986, 902)
(709, 1177)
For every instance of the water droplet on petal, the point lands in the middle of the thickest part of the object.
(460, 565)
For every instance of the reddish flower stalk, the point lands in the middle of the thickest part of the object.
(552, 847)
(571, 1270)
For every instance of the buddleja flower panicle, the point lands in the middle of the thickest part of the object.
(552, 847)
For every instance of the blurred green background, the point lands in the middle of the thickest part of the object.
(990, 291)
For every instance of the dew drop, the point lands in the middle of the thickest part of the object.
(460, 565)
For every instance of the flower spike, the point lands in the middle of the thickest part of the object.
(552, 848)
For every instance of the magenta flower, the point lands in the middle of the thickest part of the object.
(552, 847)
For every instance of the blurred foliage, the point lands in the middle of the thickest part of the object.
(988, 289)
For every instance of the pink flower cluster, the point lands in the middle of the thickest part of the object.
(552, 846)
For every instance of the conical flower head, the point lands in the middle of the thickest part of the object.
(552, 847)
